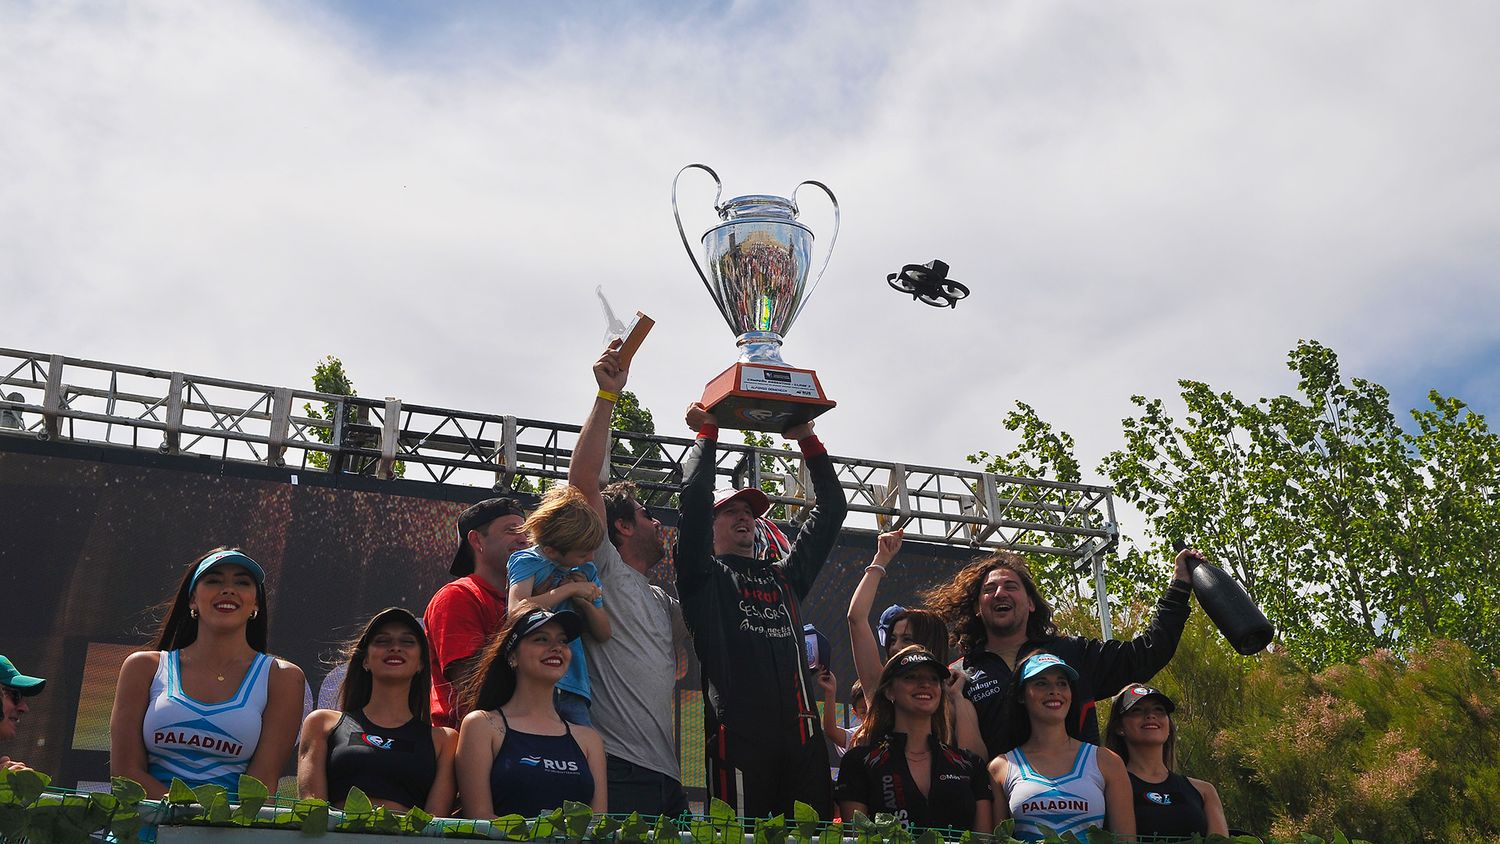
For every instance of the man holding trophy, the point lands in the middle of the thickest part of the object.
(764, 740)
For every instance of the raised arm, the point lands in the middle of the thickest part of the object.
(828, 683)
(695, 527)
(867, 662)
(593, 441)
(821, 530)
(1116, 663)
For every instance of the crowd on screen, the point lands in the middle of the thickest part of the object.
(545, 671)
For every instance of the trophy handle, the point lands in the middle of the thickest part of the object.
(693, 256)
(828, 254)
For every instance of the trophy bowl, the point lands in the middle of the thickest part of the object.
(759, 258)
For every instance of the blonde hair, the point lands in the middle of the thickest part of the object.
(565, 521)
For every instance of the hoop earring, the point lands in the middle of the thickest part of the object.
(192, 612)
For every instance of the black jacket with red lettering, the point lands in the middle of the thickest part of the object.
(744, 613)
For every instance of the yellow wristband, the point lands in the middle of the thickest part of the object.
(612, 398)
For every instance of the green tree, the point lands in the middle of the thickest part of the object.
(330, 377)
(769, 482)
(1045, 453)
(1351, 533)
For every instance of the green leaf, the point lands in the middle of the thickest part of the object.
(605, 828)
(929, 836)
(22, 787)
(311, 816)
(253, 795)
(513, 827)
(702, 831)
(357, 803)
(180, 792)
(665, 831)
(832, 834)
(577, 817)
(719, 811)
(414, 820)
(127, 791)
(548, 825)
(215, 802)
(634, 830)
(770, 830)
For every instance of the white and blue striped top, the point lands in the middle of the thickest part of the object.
(203, 743)
(1070, 803)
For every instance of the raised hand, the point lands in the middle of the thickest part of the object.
(608, 373)
(1184, 562)
(886, 547)
(698, 416)
(797, 432)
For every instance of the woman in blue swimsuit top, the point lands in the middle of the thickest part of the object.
(516, 755)
(1049, 778)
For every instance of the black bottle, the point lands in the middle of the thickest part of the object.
(1230, 607)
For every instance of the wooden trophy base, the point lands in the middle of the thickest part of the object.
(759, 397)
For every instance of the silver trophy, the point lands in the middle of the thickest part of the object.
(758, 259)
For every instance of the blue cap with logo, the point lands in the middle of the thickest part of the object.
(1037, 663)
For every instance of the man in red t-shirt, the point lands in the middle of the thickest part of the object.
(464, 614)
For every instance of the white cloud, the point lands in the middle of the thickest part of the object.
(1134, 195)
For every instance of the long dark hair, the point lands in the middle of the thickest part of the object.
(1016, 721)
(359, 683)
(880, 712)
(493, 682)
(178, 627)
(957, 601)
(1114, 732)
(927, 629)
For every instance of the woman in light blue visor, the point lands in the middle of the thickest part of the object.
(207, 703)
(1048, 777)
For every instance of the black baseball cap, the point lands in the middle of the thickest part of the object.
(572, 625)
(912, 659)
(475, 518)
(1131, 695)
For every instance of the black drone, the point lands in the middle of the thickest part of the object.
(928, 282)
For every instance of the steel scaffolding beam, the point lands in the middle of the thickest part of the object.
(71, 399)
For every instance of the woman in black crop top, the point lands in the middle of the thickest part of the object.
(901, 762)
(1143, 732)
(382, 739)
(515, 754)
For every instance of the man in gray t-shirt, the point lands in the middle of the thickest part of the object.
(633, 675)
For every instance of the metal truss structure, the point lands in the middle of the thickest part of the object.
(53, 397)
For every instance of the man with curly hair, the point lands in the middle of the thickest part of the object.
(998, 618)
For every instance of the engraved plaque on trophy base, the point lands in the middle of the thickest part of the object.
(758, 397)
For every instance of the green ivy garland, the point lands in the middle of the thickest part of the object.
(31, 811)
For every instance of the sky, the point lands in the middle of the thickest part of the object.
(1135, 193)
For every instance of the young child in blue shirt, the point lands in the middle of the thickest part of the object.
(558, 573)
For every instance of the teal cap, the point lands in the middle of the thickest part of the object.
(13, 679)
